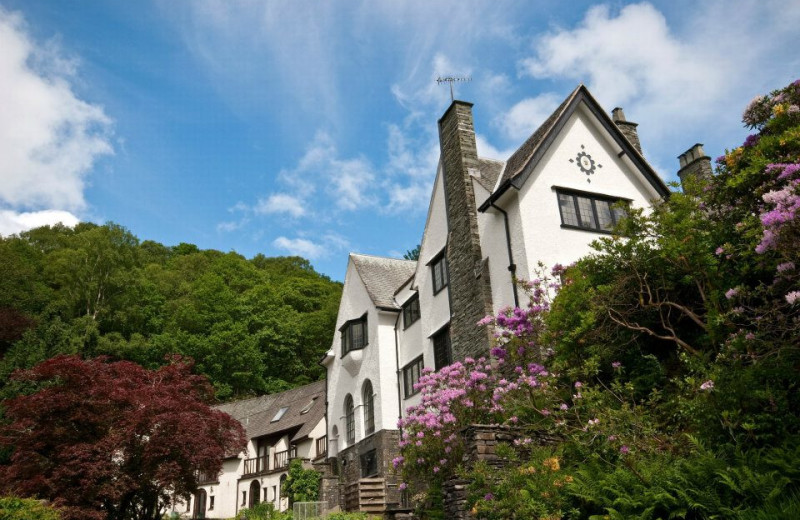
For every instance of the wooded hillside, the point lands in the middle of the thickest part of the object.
(252, 326)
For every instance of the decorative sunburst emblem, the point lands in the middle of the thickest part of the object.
(585, 162)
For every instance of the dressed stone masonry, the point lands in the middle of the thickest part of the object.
(489, 222)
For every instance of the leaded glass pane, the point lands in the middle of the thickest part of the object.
(567, 205)
(586, 213)
(604, 216)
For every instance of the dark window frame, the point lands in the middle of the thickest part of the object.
(369, 463)
(411, 369)
(369, 407)
(350, 420)
(442, 348)
(439, 266)
(411, 312)
(347, 331)
(597, 202)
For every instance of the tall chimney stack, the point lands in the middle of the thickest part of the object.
(470, 289)
(627, 128)
(695, 168)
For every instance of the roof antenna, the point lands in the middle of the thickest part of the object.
(451, 80)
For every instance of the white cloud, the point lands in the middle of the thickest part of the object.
(12, 222)
(526, 116)
(300, 247)
(328, 244)
(280, 203)
(49, 139)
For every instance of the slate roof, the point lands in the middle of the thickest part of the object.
(520, 158)
(490, 170)
(382, 276)
(256, 414)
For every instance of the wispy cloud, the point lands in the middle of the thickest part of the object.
(49, 138)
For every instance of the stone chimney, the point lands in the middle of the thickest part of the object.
(469, 289)
(695, 165)
(627, 128)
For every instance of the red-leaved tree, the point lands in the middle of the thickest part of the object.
(111, 440)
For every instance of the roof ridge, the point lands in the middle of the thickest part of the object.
(381, 257)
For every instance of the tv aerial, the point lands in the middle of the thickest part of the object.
(451, 80)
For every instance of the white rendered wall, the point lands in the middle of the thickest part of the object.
(375, 362)
(538, 215)
(434, 309)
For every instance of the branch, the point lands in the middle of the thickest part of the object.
(635, 326)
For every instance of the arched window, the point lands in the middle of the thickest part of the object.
(369, 408)
(350, 419)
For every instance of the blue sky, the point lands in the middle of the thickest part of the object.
(289, 127)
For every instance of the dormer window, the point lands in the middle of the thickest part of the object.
(354, 335)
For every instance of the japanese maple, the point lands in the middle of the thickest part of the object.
(112, 440)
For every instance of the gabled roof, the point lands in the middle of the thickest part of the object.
(256, 414)
(522, 162)
(382, 276)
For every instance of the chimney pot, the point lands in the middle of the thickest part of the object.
(694, 163)
(627, 128)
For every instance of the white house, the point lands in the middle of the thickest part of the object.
(488, 221)
(279, 427)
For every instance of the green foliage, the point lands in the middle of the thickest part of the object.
(13, 508)
(252, 326)
(263, 511)
(348, 516)
(412, 254)
(302, 485)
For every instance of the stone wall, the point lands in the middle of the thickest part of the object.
(470, 287)
(329, 484)
(384, 442)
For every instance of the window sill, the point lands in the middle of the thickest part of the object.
(590, 230)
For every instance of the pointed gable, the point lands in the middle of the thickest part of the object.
(382, 277)
(522, 162)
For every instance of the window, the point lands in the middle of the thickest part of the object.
(589, 211)
(411, 373)
(439, 271)
(211, 503)
(308, 407)
(369, 408)
(369, 464)
(350, 419)
(441, 348)
(279, 414)
(354, 335)
(411, 311)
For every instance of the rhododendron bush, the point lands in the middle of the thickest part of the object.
(658, 376)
